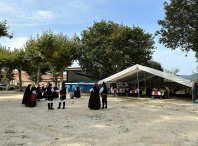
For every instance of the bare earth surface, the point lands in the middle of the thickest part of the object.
(171, 122)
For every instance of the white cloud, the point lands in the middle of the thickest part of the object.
(38, 15)
(14, 42)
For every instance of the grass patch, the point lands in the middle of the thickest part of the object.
(10, 131)
(24, 136)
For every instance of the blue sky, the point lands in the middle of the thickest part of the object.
(26, 18)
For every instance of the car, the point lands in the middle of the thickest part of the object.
(11, 88)
(4, 86)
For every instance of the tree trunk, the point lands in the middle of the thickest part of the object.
(61, 78)
(10, 76)
(56, 81)
(39, 72)
(8, 86)
(20, 81)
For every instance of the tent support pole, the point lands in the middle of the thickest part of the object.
(192, 91)
(138, 83)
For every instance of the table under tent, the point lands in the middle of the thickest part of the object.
(139, 73)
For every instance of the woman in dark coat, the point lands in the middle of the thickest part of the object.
(32, 100)
(26, 95)
(77, 92)
(94, 100)
(39, 93)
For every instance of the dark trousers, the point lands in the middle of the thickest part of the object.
(104, 100)
(50, 97)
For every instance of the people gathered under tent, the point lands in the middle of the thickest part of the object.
(188, 91)
(77, 92)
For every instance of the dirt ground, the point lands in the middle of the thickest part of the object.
(126, 122)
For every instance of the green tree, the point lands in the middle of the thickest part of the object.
(107, 48)
(21, 63)
(40, 49)
(172, 71)
(32, 71)
(63, 55)
(155, 65)
(7, 59)
(180, 25)
(4, 30)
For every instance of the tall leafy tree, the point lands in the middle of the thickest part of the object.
(63, 55)
(21, 63)
(31, 47)
(40, 49)
(32, 71)
(7, 59)
(107, 48)
(180, 25)
(4, 30)
(155, 65)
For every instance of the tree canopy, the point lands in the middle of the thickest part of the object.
(7, 61)
(4, 30)
(107, 48)
(180, 25)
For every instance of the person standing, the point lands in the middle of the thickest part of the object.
(45, 93)
(32, 100)
(77, 92)
(94, 100)
(39, 93)
(55, 94)
(104, 92)
(27, 94)
(43, 89)
(63, 92)
(70, 87)
(50, 92)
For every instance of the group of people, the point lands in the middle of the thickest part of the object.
(81, 88)
(165, 91)
(33, 94)
(94, 100)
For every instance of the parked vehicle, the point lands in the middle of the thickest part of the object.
(3, 86)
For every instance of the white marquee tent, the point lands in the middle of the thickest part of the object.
(138, 73)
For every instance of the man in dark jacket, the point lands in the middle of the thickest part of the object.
(104, 93)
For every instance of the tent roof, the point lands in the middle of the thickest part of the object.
(130, 75)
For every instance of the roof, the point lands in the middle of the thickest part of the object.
(139, 72)
(26, 78)
(74, 68)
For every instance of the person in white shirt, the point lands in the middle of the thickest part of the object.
(104, 93)
(49, 91)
